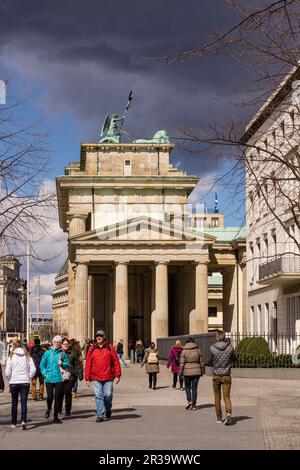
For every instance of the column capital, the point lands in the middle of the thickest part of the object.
(71, 215)
(200, 262)
(117, 263)
(157, 262)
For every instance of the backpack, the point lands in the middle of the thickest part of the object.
(152, 358)
(177, 358)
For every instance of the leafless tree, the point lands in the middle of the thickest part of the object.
(266, 40)
(24, 166)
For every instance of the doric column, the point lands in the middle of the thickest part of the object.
(199, 316)
(81, 302)
(90, 305)
(161, 300)
(121, 305)
(76, 224)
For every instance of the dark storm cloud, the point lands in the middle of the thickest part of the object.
(89, 54)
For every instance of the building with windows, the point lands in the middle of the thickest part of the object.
(273, 184)
(134, 267)
(12, 297)
(60, 301)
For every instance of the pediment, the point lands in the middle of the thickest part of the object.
(143, 229)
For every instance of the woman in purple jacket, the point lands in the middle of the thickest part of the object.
(174, 361)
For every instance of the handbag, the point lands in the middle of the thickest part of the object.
(65, 374)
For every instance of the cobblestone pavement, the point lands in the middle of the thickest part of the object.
(266, 415)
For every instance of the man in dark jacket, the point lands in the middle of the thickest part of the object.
(1, 379)
(102, 368)
(220, 358)
(37, 354)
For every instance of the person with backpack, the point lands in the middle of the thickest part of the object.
(101, 369)
(221, 355)
(151, 359)
(53, 364)
(140, 351)
(75, 369)
(37, 353)
(20, 369)
(174, 362)
(190, 368)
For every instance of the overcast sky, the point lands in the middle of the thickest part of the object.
(74, 61)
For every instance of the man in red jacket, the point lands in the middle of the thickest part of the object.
(102, 368)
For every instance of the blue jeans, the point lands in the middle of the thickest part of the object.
(75, 386)
(103, 395)
(121, 357)
(15, 390)
(191, 386)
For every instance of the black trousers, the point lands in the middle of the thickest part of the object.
(56, 392)
(68, 385)
(152, 379)
(175, 378)
(191, 386)
(16, 390)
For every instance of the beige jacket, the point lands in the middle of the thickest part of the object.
(190, 359)
(151, 368)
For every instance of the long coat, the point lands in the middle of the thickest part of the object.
(190, 360)
(151, 368)
(175, 351)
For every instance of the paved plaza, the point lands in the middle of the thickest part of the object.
(266, 416)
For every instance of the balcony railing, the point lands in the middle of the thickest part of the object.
(284, 264)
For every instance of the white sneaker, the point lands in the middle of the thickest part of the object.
(219, 420)
(23, 426)
(13, 426)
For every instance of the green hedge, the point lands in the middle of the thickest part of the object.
(255, 346)
(250, 360)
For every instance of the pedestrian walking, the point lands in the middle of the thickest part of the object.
(37, 353)
(101, 369)
(151, 359)
(52, 365)
(174, 362)
(79, 368)
(120, 353)
(73, 369)
(190, 369)
(2, 386)
(20, 369)
(221, 356)
(140, 351)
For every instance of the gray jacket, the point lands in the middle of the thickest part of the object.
(221, 356)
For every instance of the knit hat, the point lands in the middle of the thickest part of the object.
(57, 339)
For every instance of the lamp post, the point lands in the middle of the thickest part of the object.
(27, 294)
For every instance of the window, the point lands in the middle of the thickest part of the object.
(212, 312)
(259, 324)
(127, 168)
(282, 126)
(266, 242)
(215, 222)
(274, 241)
(267, 319)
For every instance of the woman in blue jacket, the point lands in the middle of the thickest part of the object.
(50, 365)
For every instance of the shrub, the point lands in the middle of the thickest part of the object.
(249, 360)
(255, 346)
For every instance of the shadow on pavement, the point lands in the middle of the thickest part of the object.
(127, 416)
(206, 405)
(50, 423)
(236, 419)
